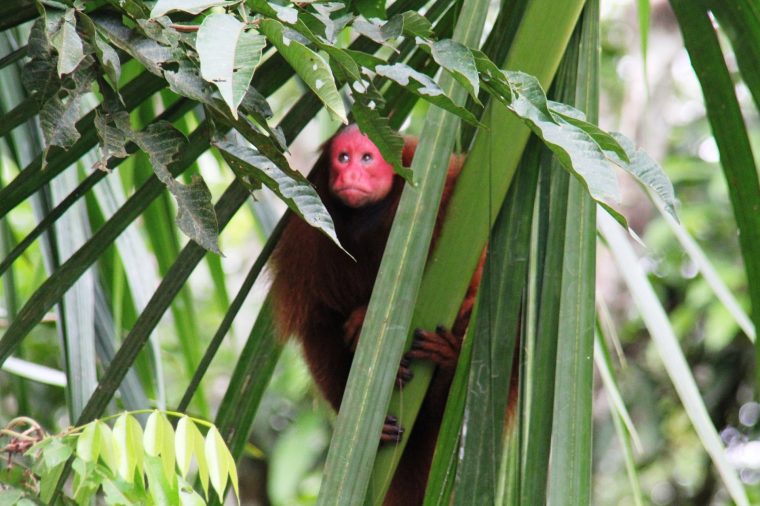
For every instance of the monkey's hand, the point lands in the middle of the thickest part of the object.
(440, 347)
(353, 327)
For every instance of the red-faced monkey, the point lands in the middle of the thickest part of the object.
(321, 294)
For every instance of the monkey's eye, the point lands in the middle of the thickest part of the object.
(366, 157)
(343, 157)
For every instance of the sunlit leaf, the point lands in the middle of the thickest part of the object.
(192, 6)
(311, 67)
(292, 187)
(219, 458)
(458, 60)
(88, 443)
(128, 436)
(159, 440)
(68, 44)
(425, 87)
(229, 54)
(188, 442)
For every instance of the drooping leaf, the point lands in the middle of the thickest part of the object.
(607, 142)
(189, 442)
(457, 59)
(128, 436)
(575, 149)
(107, 450)
(158, 440)
(292, 187)
(425, 87)
(219, 458)
(191, 6)
(229, 54)
(492, 78)
(88, 443)
(309, 66)
(68, 44)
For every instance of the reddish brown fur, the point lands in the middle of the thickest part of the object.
(318, 290)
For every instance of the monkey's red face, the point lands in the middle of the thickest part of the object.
(359, 175)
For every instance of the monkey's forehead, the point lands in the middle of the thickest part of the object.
(351, 140)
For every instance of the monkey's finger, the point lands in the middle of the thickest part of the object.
(404, 374)
(392, 432)
(440, 347)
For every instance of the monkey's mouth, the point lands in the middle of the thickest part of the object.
(352, 195)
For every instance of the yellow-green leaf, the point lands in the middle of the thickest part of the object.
(88, 443)
(218, 457)
(127, 437)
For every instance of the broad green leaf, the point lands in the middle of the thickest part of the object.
(184, 442)
(68, 44)
(492, 78)
(608, 142)
(88, 443)
(458, 60)
(311, 67)
(232, 470)
(127, 438)
(575, 149)
(191, 6)
(159, 440)
(425, 87)
(416, 25)
(49, 481)
(228, 54)
(86, 481)
(218, 458)
(292, 187)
